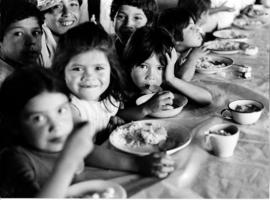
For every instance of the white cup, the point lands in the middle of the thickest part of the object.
(243, 117)
(222, 145)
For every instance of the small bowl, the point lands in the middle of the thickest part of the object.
(179, 102)
(243, 111)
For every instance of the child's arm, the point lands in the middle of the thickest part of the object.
(78, 145)
(158, 164)
(158, 102)
(187, 70)
(221, 8)
(196, 93)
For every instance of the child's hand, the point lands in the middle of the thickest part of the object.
(171, 60)
(198, 53)
(79, 143)
(157, 164)
(114, 122)
(160, 101)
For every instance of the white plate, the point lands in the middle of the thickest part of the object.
(214, 64)
(257, 11)
(179, 103)
(248, 23)
(226, 47)
(229, 34)
(78, 190)
(177, 139)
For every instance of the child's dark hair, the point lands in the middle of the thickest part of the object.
(175, 20)
(144, 42)
(196, 7)
(149, 7)
(20, 87)
(12, 11)
(85, 37)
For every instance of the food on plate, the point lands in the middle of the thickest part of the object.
(221, 45)
(224, 45)
(247, 108)
(140, 134)
(254, 11)
(220, 132)
(229, 34)
(207, 63)
(248, 23)
(105, 194)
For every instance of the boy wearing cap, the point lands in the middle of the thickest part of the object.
(60, 16)
(20, 36)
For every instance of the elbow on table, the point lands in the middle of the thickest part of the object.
(205, 100)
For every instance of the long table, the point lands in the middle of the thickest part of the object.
(200, 174)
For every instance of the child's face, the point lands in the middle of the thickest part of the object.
(46, 121)
(22, 41)
(191, 37)
(127, 20)
(149, 72)
(63, 16)
(87, 75)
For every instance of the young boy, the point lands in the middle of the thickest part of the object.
(60, 16)
(20, 36)
(128, 15)
(188, 40)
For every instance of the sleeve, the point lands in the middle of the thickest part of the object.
(17, 175)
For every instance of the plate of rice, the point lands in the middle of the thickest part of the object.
(149, 136)
(213, 64)
(229, 34)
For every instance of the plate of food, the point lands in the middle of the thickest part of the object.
(255, 11)
(149, 136)
(248, 23)
(96, 189)
(226, 47)
(229, 34)
(179, 103)
(212, 64)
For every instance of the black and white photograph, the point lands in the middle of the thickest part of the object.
(139, 99)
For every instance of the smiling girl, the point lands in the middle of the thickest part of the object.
(86, 61)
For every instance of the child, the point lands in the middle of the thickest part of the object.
(38, 162)
(128, 15)
(150, 58)
(86, 61)
(188, 40)
(60, 16)
(20, 36)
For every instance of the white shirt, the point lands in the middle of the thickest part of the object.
(98, 113)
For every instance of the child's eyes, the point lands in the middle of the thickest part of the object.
(99, 67)
(142, 66)
(161, 68)
(37, 33)
(62, 110)
(76, 68)
(74, 4)
(120, 17)
(137, 18)
(37, 119)
(18, 33)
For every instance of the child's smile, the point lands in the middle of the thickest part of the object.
(88, 75)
